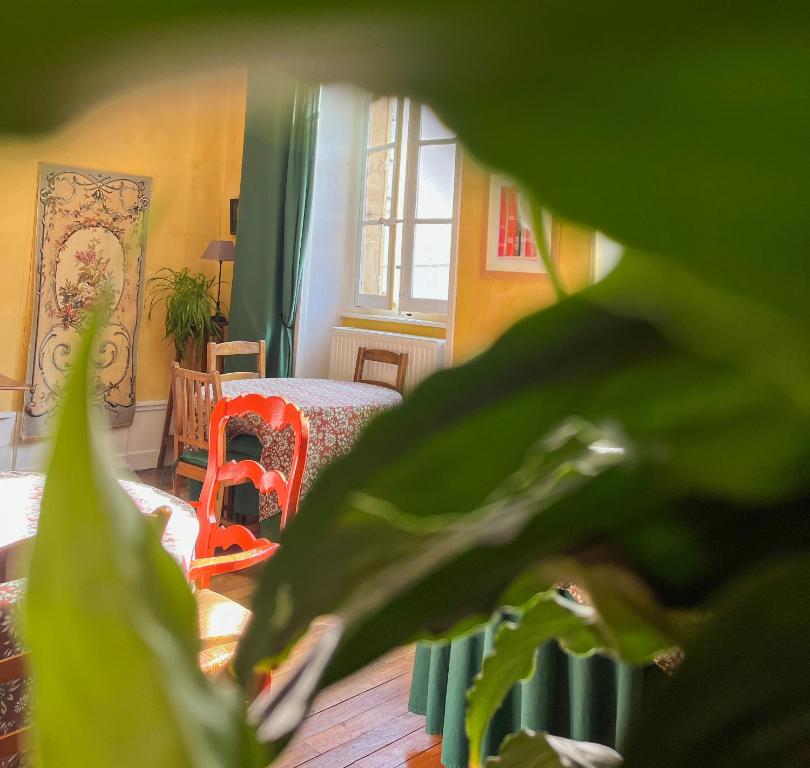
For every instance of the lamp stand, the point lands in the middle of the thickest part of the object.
(218, 317)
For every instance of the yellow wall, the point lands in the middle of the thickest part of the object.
(188, 137)
(486, 303)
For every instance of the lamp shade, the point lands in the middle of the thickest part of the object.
(220, 250)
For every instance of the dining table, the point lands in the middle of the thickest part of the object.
(20, 499)
(337, 412)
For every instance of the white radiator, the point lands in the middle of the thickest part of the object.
(425, 355)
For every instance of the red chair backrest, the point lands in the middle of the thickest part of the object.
(277, 413)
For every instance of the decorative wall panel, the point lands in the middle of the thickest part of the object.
(90, 241)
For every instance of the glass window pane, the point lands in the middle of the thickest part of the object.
(379, 184)
(435, 181)
(382, 121)
(431, 127)
(403, 160)
(397, 266)
(431, 261)
(373, 277)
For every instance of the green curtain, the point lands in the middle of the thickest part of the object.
(587, 699)
(274, 206)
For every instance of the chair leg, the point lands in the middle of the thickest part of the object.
(203, 582)
(267, 681)
(259, 684)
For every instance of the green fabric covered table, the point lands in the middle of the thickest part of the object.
(588, 699)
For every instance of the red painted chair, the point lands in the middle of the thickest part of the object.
(277, 413)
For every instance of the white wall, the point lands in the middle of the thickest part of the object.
(136, 446)
(333, 227)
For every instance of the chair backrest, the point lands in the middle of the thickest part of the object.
(195, 395)
(217, 351)
(277, 413)
(399, 359)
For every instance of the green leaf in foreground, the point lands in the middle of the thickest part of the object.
(540, 750)
(580, 629)
(402, 523)
(111, 623)
(740, 699)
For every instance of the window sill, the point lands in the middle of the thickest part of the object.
(398, 319)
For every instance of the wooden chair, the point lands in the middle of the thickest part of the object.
(277, 414)
(228, 348)
(220, 620)
(400, 360)
(195, 395)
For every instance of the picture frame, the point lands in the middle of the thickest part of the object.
(511, 248)
(234, 214)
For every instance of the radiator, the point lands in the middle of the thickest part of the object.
(425, 355)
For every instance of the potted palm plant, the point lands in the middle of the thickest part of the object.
(190, 306)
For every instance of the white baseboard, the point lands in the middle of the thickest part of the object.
(137, 445)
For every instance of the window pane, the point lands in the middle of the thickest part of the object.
(432, 128)
(397, 266)
(373, 278)
(403, 160)
(436, 179)
(382, 121)
(431, 261)
(379, 182)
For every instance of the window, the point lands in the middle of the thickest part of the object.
(408, 216)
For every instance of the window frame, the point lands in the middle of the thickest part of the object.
(407, 148)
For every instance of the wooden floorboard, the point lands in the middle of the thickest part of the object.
(403, 752)
(345, 710)
(361, 721)
(430, 758)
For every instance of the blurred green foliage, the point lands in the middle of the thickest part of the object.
(679, 130)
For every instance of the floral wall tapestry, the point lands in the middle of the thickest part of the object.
(90, 242)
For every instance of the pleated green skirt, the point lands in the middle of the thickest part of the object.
(588, 699)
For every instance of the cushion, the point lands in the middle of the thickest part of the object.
(238, 450)
(247, 446)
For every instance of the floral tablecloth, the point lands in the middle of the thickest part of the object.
(20, 497)
(337, 411)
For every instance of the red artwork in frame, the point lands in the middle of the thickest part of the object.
(511, 244)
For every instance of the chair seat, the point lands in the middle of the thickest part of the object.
(213, 660)
(221, 623)
(221, 620)
(240, 448)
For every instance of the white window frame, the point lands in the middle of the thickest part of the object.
(407, 304)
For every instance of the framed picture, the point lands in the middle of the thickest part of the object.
(511, 246)
(234, 214)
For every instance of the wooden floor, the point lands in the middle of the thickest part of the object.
(362, 721)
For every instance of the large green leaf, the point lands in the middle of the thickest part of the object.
(446, 500)
(539, 750)
(740, 699)
(546, 617)
(681, 129)
(111, 623)
(625, 621)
